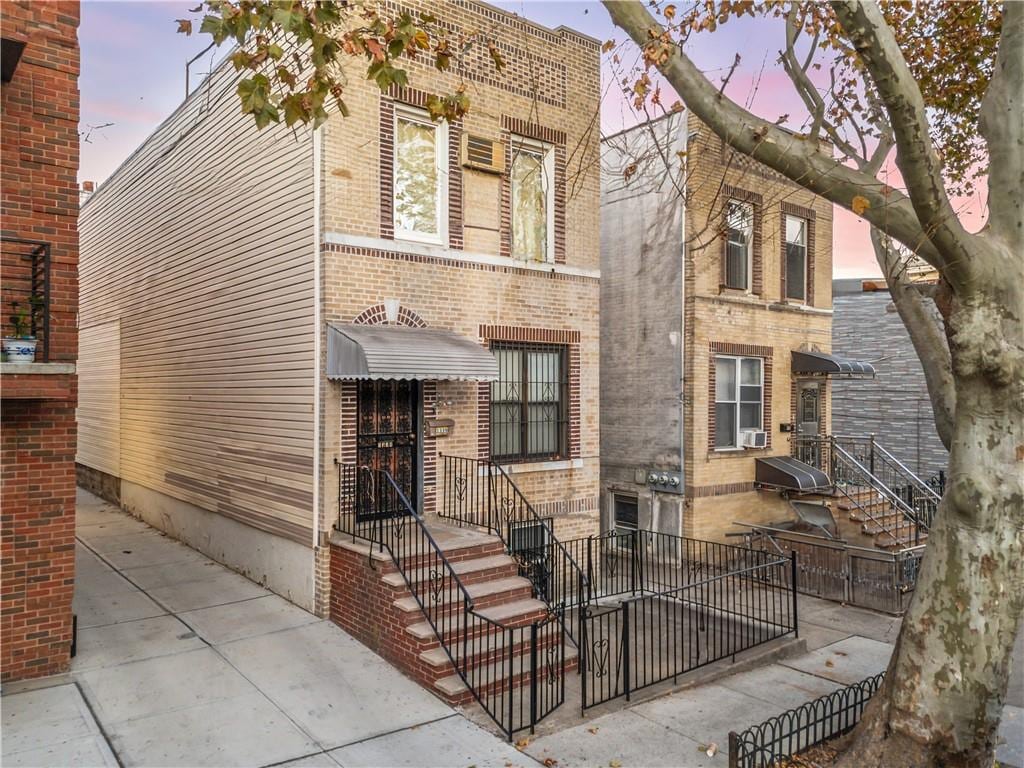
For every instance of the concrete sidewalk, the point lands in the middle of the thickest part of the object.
(845, 645)
(182, 662)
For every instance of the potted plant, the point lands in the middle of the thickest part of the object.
(21, 347)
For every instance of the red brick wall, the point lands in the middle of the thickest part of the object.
(39, 112)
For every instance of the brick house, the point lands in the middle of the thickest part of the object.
(39, 210)
(383, 291)
(715, 327)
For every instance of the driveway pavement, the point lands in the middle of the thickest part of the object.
(182, 662)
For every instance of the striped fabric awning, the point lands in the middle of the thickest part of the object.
(830, 365)
(400, 352)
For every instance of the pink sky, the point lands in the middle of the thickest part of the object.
(133, 65)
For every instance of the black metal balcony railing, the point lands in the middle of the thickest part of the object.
(25, 265)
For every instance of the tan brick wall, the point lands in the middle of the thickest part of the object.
(720, 484)
(449, 287)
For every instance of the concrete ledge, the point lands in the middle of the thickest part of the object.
(38, 369)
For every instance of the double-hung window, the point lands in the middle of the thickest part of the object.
(796, 257)
(533, 202)
(739, 237)
(739, 399)
(529, 402)
(420, 181)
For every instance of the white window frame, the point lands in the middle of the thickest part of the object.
(749, 244)
(412, 114)
(785, 238)
(736, 402)
(547, 152)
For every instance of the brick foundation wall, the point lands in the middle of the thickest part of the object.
(39, 161)
(107, 487)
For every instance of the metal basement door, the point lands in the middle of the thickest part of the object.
(387, 436)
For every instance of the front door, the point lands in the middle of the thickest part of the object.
(808, 423)
(388, 432)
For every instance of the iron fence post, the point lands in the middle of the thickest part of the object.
(511, 683)
(582, 666)
(625, 648)
(871, 449)
(792, 566)
(533, 675)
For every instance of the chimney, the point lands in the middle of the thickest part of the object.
(88, 187)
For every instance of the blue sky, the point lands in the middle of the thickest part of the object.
(133, 76)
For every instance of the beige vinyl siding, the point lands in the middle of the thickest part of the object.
(99, 397)
(201, 245)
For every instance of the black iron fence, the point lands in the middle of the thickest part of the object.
(515, 672)
(833, 570)
(796, 730)
(26, 290)
(662, 605)
(478, 492)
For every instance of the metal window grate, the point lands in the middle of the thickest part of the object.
(529, 402)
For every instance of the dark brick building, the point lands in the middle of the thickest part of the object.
(895, 405)
(39, 112)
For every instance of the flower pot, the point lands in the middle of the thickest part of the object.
(20, 350)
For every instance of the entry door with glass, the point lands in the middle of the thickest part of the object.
(388, 439)
(808, 423)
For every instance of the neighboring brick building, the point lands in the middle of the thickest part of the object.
(719, 271)
(234, 330)
(39, 211)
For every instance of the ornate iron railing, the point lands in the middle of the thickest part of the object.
(793, 731)
(515, 672)
(26, 289)
(480, 493)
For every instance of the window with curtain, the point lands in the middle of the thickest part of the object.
(739, 398)
(796, 258)
(529, 402)
(739, 238)
(420, 156)
(532, 201)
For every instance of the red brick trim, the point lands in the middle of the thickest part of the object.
(387, 168)
(532, 130)
(454, 263)
(411, 96)
(559, 204)
(723, 489)
(810, 215)
(730, 192)
(567, 337)
(456, 237)
(505, 202)
(347, 433)
(378, 315)
(741, 350)
(428, 505)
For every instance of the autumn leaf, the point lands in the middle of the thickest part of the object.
(829, 663)
(607, 46)
(859, 204)
(670, 12)
(184, 26)
(522, 744)
(550, 762)
(593, 730)
(614, 764)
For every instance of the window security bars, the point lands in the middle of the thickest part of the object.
(796, 730)
(26, 269)
(516, 673)
(530, 402)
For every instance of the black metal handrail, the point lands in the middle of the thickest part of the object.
(26, 269)
(480, 493)
(515, 689)
(798, 729)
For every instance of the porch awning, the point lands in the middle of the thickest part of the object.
(790, 474)
(399, 352)
(830, 365)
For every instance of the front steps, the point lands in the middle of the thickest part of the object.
(884, 528)
(371, 600)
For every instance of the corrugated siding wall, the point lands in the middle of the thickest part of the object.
(201, 244)
(99, 397)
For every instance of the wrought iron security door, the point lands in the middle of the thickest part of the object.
(387, 438)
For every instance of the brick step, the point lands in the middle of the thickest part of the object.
(468, 571)
(498, 674)
(884, 523)
(889, 541)
(515, 614)
(483, 594)
(453, 553)
(493, 645)
(874, 510)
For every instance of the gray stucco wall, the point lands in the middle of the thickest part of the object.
(642, 316)
(895, 406)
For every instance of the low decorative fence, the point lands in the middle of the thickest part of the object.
(663, 605)
(796, 730)
(833, 570)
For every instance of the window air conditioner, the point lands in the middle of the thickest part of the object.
(754, 439)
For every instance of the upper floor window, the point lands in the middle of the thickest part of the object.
(739, 398)
(533, 203)
(739, 225)
(796, 257)
(421, 163)
(529, 402)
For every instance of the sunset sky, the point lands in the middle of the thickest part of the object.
(133, 76)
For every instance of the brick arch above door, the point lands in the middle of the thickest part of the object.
(378, 315)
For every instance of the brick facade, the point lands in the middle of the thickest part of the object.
(469, 283)
(39, 112)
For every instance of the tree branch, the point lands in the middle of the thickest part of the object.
(793, 156)
(916, 158)
(926, 334)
